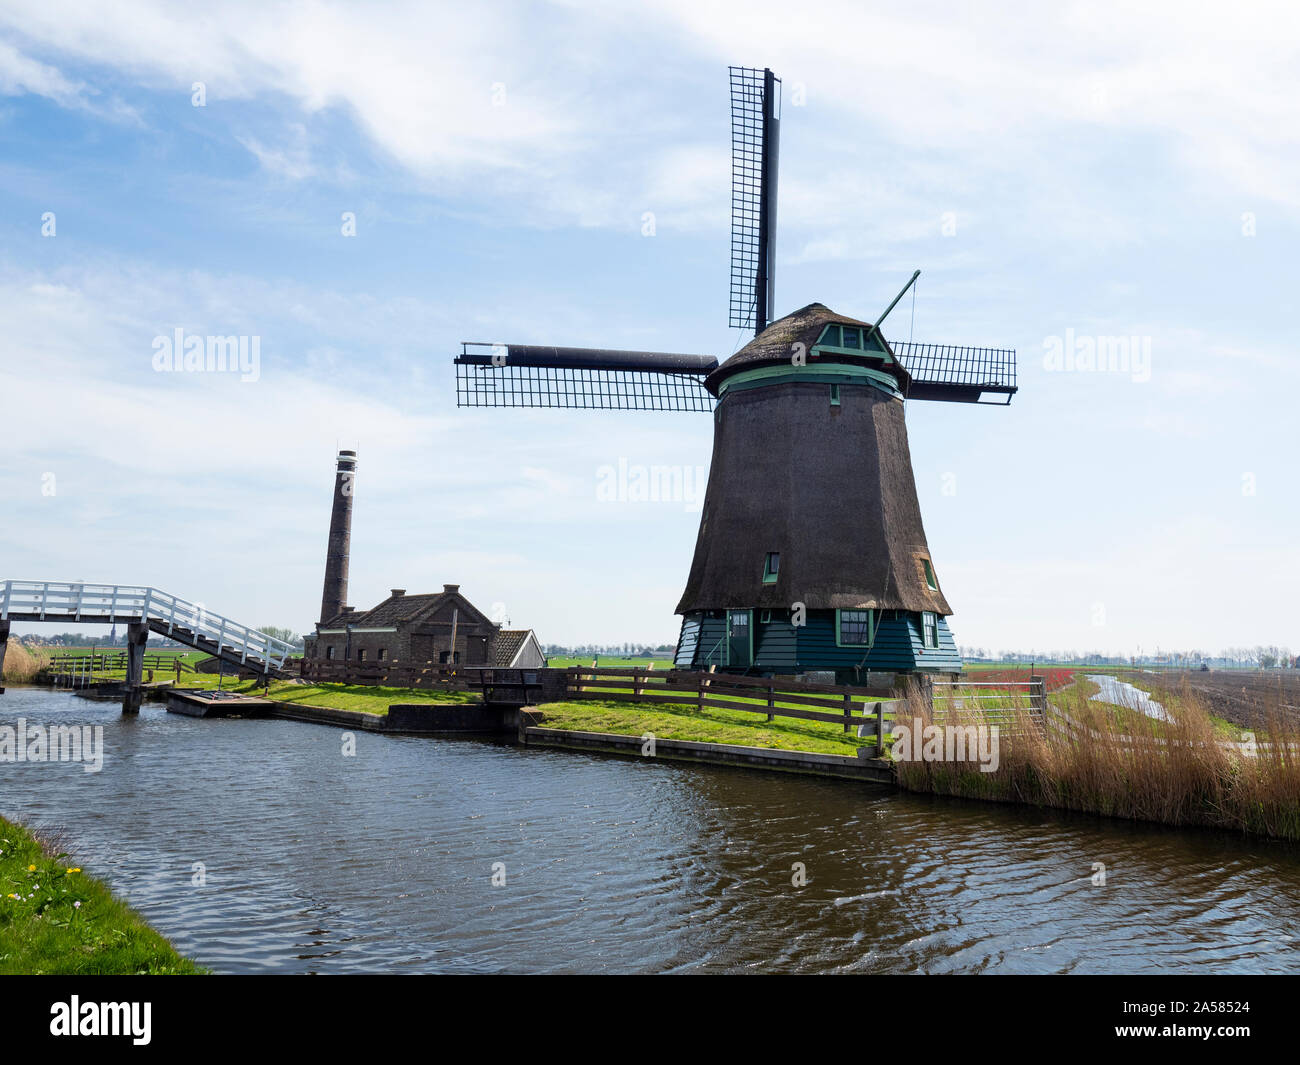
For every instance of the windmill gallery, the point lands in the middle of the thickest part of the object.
(811, 556)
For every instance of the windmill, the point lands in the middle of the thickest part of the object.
(811, 555)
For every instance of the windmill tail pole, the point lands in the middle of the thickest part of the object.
(903, 292)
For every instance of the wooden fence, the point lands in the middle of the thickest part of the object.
(114, 661)
(389, 674)
(867, 708)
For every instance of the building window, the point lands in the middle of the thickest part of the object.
(835, 395)
(382, 653)
(771, 567)
(765, 617)
(329, 652)
(361, 655)
(855, 627)
(930, 582)
(930, 629)
(852, 338)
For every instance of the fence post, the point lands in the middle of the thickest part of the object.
(1039, 694)
(701, 682)
(880, 730)
(848, 711)
(771, 700)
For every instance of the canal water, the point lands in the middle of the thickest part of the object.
(1122, 693)
(316, 862)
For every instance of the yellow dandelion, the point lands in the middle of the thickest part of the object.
(76, 869)
(31, 868)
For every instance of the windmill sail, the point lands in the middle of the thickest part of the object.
(755, 141)
(528, 375)
(956, 374)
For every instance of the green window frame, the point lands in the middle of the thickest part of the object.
(771, 567)
(835, 395)
(930, 582)
(852, 340)
(855, 628)
(929, 629)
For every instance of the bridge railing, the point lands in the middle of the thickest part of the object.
(60, 601)
(251, 643)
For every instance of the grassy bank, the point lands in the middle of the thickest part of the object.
(368, 699)
(56, 919)
(1120, 763)
(671, 721)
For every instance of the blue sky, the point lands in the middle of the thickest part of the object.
(1086, 171)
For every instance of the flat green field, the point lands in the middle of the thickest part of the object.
(56, 919)
(609, 662)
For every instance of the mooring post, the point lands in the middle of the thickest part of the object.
(4, 641)
(136, 635)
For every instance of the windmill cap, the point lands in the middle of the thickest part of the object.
(775, 345)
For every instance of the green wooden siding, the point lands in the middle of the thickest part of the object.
(775, 644)
(688, 642)
(780, 647)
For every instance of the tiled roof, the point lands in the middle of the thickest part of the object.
(507, 645)
(397, 608)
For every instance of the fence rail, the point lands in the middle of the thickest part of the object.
(866, 708)
(390, 674)
(111, 661)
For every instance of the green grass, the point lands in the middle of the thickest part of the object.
(66, 922)
(671, 721)
(369, 699)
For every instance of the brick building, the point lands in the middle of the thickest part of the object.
(441, 627)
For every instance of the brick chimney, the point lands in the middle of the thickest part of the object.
(397, 593)
(449, 589)
(335, 592)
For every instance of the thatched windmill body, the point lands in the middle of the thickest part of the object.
(811, 554)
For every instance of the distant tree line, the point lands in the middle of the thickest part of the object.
(1258, 657)
(623, 650)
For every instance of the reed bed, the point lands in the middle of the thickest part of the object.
(1115, 761)
(22, 663)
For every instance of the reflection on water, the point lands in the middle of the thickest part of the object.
(1121, 693)
(384, 862)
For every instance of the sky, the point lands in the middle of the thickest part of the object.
(361, 187)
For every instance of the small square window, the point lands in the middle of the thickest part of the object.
(771, 567)
(835, 395)
(855, 628)
(930, 582)
(382, 653)
(361, 655)
(852, 338)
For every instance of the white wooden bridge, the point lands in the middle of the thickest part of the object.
(142, 610)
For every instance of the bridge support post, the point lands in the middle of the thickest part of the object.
(136, 635)
(4, 640)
